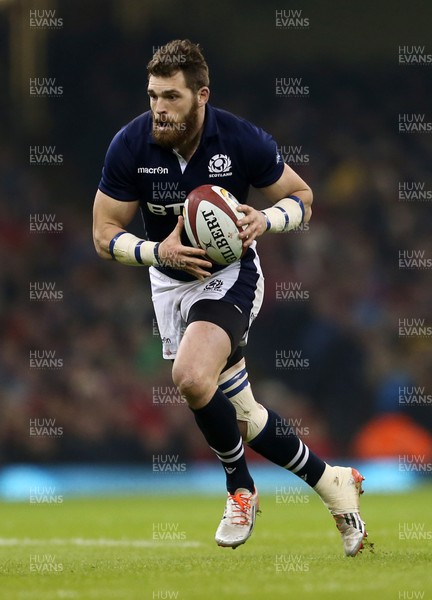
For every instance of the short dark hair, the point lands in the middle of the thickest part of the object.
(181, 55)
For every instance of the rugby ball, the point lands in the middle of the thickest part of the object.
(210, 215)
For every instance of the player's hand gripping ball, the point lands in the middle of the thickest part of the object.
(210, 217)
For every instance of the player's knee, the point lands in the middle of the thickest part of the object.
(191, 383)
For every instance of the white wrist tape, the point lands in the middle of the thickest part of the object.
(285, 215)
(131, 250)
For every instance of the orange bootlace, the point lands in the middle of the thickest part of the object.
(241, 506)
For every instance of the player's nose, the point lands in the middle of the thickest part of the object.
(160, 107)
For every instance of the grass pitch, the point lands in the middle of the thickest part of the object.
(161, 547)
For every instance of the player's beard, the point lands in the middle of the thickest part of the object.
(175, 133)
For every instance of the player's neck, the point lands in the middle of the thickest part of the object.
(188, 149)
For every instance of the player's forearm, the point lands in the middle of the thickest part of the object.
(102, 237)
(113, 243)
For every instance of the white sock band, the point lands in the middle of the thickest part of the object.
(235, 385)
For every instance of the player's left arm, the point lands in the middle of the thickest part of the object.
(292, 201)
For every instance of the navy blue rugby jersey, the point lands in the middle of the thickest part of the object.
(232, 153)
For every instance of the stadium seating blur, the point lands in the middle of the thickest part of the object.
(103, 327)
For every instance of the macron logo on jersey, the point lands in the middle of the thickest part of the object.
(151, 170)
(220, 166)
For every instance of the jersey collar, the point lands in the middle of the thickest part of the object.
(211, 128)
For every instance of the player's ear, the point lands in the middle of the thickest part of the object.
(203, 95)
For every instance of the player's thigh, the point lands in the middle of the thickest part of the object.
(202, 354)
(213, 333)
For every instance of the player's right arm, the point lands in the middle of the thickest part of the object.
(112, 241)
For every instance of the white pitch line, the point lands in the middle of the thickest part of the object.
(99, 542)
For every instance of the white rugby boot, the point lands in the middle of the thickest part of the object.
(238, 519)
(340, 489)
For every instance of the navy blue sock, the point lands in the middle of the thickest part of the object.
(278, 444)
(218, 423)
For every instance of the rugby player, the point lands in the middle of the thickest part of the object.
(203, 311)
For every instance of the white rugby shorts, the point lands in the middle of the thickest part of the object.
(241, 283)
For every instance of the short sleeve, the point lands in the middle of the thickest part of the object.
(118, 173)
(265, 164)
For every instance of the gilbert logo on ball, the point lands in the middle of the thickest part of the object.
(210, 216)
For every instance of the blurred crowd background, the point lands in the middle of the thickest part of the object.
(111, 394)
